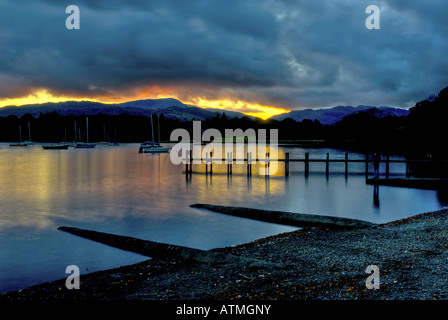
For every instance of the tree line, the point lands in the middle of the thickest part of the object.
(419, 134)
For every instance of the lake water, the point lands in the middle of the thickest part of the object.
(115, 189)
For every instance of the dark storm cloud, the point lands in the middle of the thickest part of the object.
(284, 53)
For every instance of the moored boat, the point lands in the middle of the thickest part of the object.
(152, 147)
(56, 146)
(18, 145)
(81, 145)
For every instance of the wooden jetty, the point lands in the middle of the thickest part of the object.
(249, 161)
(301, 220)
(162, 250)
(419, 183)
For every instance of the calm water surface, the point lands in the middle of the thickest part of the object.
(118, 190)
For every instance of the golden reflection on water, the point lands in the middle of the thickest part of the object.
(41, 187)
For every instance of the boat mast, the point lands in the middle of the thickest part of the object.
(158, 127)
(76, 138)
(152, 130)
(87, 122)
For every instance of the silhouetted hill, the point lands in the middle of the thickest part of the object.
(171, 108)
(333, 115)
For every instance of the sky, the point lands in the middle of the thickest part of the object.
(260, 57)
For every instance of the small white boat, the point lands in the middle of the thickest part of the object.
(152, 147)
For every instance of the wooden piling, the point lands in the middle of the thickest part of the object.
(387, 166)
(249, 164)
(346, 164)
(367, 165)
(229, 163)
(286, 164)
(187, 162)
(211, 162)
(408, 170)
(327, 164)
(191, 161)
(307, 164)
(266, 164)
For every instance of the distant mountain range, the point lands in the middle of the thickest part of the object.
(172, 108)
(333, 115)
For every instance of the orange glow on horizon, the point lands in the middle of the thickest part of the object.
(252, 109)
(42, 96)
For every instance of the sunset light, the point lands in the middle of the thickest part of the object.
(252, 109)
(41, 96)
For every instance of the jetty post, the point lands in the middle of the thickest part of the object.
(346, 164)
(327, 164)
(229, 163)
(307, 164)
(211, 162)
(408, 169)
(367, 165)
(191, 161)
(286, 164)
(249, 164)
(387, 166)
(266, 165)
(208, 160)
(188, 163)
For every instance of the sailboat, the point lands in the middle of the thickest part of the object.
(28, 142)
(20, 144)
(107, 139)
(115, 143)
(80, 145)
(153, 147)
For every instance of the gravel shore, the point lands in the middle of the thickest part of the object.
(320, 264)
